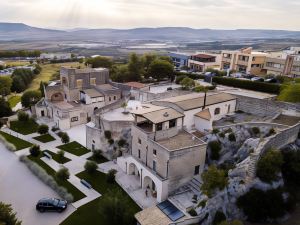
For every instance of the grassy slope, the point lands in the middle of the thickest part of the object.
(14, 100)
(89, 214)
(74, 148)
(17, 142)
(48, 70)
(71, 189)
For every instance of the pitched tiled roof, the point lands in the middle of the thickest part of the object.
(205, 114)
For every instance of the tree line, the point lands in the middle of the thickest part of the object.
(139, 68)
(20, 53)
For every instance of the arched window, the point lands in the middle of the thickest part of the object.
(217, 111)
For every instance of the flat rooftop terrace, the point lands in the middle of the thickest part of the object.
(182, 140)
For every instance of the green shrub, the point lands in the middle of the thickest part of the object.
(60, 134)
(247, 84)
(43, 129)
(61, 154)
(215, 131)
(219, 217)
(7, 216)
(202, 203)
(222, 135)
(231, 137)
(35, 150)
(192, 212)
(213, 179)
(255, 130)
(111, 175)
(23, 116)
(271, 132)
(269, 166)
(260, 206)
(121, 143)
(200, 89)
(180, 78)
(90, 167)
(65, 138)
(215, 148)
(187, 83)
(107, 134)
(111, 141)
(63, 174)
(54, 129)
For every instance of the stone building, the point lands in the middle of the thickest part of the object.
(164, 156)
(73, 99)
(200, 111)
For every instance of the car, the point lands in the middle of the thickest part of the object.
(51, 204)
(271, 80)
(259, 79)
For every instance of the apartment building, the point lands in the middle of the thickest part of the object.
(202, 61)
(56, 56)
(244, 61)
(76, 96)
(164, 156)
(179, 59)
(284, 63)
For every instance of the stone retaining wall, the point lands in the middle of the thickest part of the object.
(264, 107)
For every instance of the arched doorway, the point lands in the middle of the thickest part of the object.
(150, 187)
(133, 170)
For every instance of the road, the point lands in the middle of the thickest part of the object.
(20, 188)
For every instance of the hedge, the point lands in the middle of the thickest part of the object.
(238, 83)
(247, 84)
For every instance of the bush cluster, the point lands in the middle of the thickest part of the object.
(90, 167)
(35, 150)
(247, 84)
(47, 179)
(215, 148)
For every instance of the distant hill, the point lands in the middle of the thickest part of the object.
(20, 31)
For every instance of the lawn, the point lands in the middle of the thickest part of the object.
(66, 184)
(14, 100)
(47, 72)
(89, 214)
(56, 158)
(17, 142)
(44, 138)
(27, 127)
(16, 63)
(74, 148)
(98, 160)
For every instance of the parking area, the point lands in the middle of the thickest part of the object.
(20, 188)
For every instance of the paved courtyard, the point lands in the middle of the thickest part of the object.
(22, 189)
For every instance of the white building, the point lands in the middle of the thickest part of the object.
(56, 56)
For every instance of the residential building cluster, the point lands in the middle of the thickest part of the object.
(285, 62)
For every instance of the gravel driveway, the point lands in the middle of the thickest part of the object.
(20, 188)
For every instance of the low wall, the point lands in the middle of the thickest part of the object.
(253, 124)
(264, 107)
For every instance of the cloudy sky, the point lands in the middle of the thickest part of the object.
(220, 14)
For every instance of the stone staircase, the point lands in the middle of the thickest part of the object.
(194, 185)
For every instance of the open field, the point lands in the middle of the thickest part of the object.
(14, 100)
(16, 62)
(47, 72)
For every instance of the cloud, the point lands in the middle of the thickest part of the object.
(221, 14)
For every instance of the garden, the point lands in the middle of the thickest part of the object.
(74, 148)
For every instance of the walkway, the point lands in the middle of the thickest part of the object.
(75, 166)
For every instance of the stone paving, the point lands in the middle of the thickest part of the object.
(75, 166)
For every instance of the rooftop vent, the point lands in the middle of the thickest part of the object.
(166, 114)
